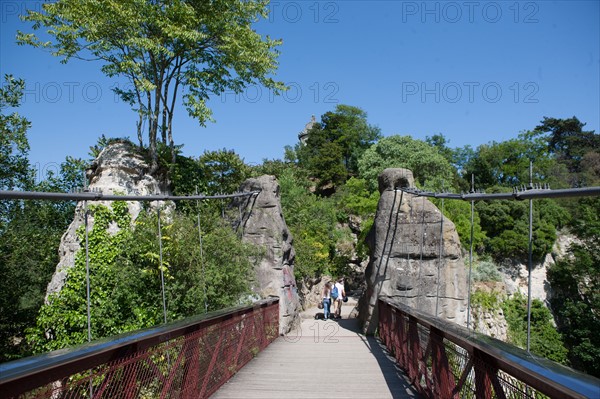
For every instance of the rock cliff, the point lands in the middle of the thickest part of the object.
(404, 245)
(262, 224)
(118, 169)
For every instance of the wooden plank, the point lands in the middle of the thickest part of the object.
(320, 359)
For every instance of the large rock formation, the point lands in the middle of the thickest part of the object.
(117, 170)
(263, 225)
(404, 244)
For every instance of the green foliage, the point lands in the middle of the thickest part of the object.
(214, 172)
(30, 231)
(545, 339)
(485, 271)
(440, 142)
(104, 142)
(575, 281)
(125, 276)
(459, 212)
(311, 219)
(186, 178)
(507, 163)
(334, 145)
(586, 220)
(430, 169)
(273, 167)
(322, 246)
(488, 301)
(355, 198)
(64, 318)
(28, 257)
(506, 225)
(14, 146)
(223, 268)
(577, 149)
(163, 48)
(223, 171)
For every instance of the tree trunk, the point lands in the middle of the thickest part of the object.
(152, 131)
(163, 127)
(138, 125)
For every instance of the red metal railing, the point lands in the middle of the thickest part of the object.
(191, 358)
(444, 360)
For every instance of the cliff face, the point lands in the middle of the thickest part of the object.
(263, 224)
(118, 169)
(404, 264)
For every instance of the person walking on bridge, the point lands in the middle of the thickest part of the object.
(327, 300)
(341, 294)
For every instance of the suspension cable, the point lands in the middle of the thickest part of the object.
(470, 255)
(99, 196)
(160, 266)
(202, 257)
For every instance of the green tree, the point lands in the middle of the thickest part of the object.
(575, 282)
(25, 269)
(460, 214)
(359, 206)
(334, 145)
(506, 224)
(273, 167)
(14, 146)
(545, 341)
(355, 198)
(567, 139)
(163, 48)
(312, 220)
(223, 171)
(125, 276)
(430, 169)
(440, 142)
(507, 163)
(28, 257)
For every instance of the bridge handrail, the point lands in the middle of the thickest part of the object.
(543, 375)
(32, 372)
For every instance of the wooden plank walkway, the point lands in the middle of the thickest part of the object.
(321, 360)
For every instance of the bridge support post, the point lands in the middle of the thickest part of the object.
(442, 375)
(486, 377)
(414, 352)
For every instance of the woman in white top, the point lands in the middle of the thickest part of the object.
(337, 304)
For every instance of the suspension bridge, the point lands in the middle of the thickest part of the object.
(239, 353)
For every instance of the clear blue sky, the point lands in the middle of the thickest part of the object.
(476, 71)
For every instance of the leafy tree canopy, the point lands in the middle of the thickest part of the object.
(14, 146)
(507, 163)
(223, 171)
(430, 169)
(545, 340)
(163, 47)
(334, 145)
(576, 148)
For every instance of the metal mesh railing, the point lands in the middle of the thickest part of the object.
(187, 359)
(444, 360)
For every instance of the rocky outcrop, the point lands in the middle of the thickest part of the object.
(117, 170)
(516, 274)
(404, 245)
(263, 225)
(490, 322)
(489, 319)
